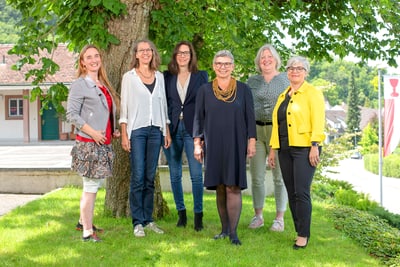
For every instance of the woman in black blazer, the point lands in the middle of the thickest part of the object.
(182, 81)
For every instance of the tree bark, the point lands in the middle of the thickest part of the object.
(132, 26)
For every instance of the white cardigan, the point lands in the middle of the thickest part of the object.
(139, 107)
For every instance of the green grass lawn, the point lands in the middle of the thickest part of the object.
(42, 233)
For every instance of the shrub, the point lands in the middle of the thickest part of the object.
(372, 232)
(369, 140)
(352, 198)
(341, 192)
(392, 219)
(371, 162)
(322, 191)
(390, 166)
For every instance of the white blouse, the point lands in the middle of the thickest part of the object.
(139, 107)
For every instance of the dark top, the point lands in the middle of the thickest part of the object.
(151, 86)
(175, 105)
(225, 128)
(282, 122)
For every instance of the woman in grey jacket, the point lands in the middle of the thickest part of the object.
(92, 106)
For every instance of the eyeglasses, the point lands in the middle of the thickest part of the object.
(225, 64)
(183, 53)
(147, 50)
(292, 69)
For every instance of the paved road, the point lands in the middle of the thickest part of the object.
(9, 202)
(36, 155)
(352, 171)
(18, 155)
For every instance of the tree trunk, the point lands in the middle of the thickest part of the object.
(160, 205)
(117, 189)
(117, 59)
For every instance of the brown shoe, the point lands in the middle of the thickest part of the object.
(79, 227)
(93, 237)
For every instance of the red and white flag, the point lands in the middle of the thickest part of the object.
(392, 113)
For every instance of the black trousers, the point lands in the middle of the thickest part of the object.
(298, 174)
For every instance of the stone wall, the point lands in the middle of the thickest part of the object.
(41, 181)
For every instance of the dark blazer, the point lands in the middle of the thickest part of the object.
(175, 105)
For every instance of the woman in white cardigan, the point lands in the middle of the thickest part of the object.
(144, 122)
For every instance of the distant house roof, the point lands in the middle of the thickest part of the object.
(61, 55)
(336, 119)
(367, 115)
(338, 114)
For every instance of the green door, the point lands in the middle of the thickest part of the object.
(50, 124)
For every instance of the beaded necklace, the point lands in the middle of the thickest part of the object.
(144, 76)
(228, 95)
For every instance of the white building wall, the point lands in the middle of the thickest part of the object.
(34, 121)
(12, 130)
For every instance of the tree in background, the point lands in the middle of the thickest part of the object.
(329, 89)
(370, 141)
(353, 111)
(338, 74)
(316, 29)
(8, 18)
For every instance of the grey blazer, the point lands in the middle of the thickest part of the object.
(87, 104)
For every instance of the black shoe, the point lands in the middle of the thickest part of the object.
(198, 221)
(182, 221)
(234, 239)
(93, 238)
(295, 246)
(236, 242)
(79, 227)
(220, 236)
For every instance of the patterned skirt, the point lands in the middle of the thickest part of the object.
(91, 160)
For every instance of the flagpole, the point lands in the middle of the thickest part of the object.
(380, 136)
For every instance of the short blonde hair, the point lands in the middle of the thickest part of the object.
(274, 54)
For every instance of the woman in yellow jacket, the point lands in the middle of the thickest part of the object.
(298, 123)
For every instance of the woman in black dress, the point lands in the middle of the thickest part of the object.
(224, 132)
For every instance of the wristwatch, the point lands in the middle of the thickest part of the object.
(314, 143)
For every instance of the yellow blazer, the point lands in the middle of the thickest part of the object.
(305, 117)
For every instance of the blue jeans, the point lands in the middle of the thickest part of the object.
(174, 157)
(145, 150)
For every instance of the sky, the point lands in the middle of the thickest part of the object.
(379, 64)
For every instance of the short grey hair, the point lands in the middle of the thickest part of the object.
(223, 53)
(299, 59)
(274, 54)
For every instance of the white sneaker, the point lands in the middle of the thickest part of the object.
(138, 231)
(278, 226)
(256, 222)
(153, 227)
